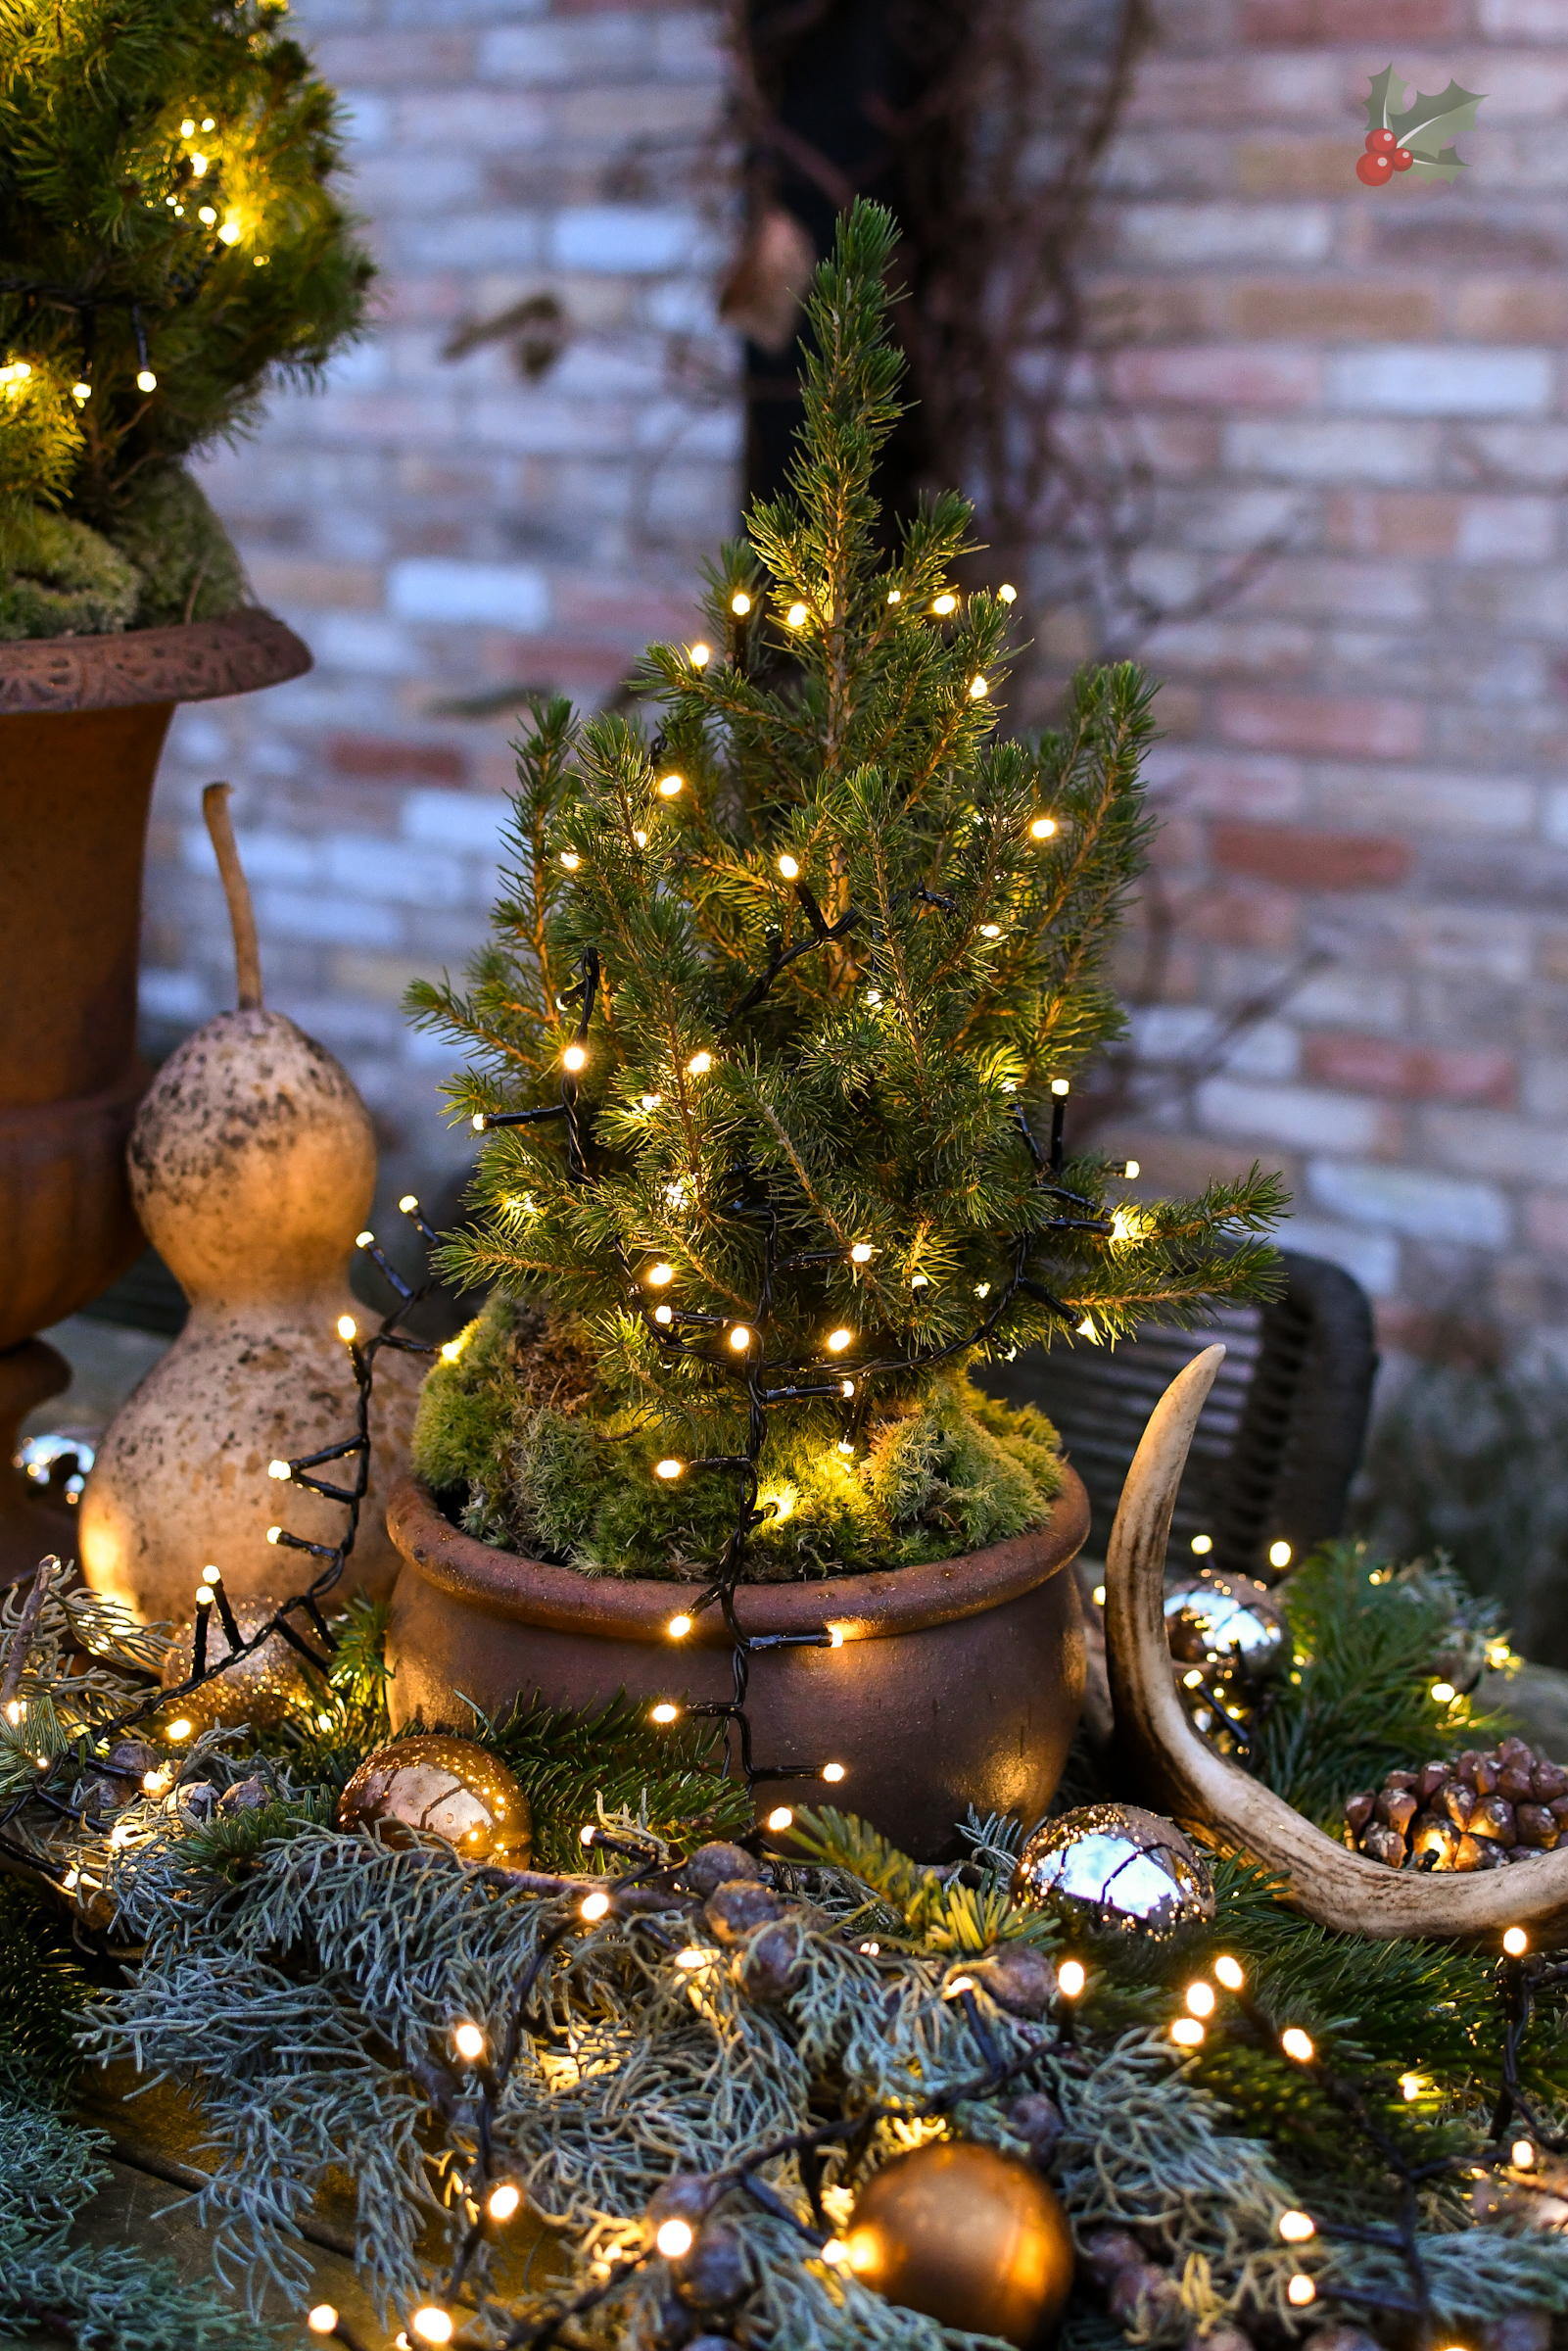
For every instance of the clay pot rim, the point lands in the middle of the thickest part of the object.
(194, 661)
(868, 1607)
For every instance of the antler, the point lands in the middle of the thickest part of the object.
(1331, 1883)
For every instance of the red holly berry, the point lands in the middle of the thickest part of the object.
(1373, 171)
(1378, 142)
(1403, 159)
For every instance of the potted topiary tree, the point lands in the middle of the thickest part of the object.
(169, 241)
(770, 1041)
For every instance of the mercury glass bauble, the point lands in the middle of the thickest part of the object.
(1228, 1622)
(443, 1786)
(1114, 1868)
(262, 1690)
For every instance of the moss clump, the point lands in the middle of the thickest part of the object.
(60, 578)
(523, 1449)
(183, 556)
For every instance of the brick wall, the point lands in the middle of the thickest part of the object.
(439, 530)
(1363, 751)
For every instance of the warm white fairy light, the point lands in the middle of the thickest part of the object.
(450, 1351)
(1187, 2032)
(895, 596)
(181, 1727)
(664, 1315)
(469, 2042)
(1516, 1942)
(230, 231)
(669, 1468)
(593, 1906)
(670, 786)
(571, 860)
(639, 837)
(944, 603)
(1201, 1997)
(652, 1101)
(796, 617)
(1279, 1555)
(679, 1627)
(1203, 1545)
(789, 867)
(575, 1057)
(861, 1253)
(1443, 1693)
(280, 1469)
(780, 1820)
(694, 1955)
(1192, 1680)
(1061, 1087)
(199, 165)
(659, 1275)
(81, 392)
(847, 1387)
(740, 1338)
(503, 2200)
(699, 1065)
(979, 687)
(1230, 1972)
(1410, 2088)
(432, 2324)
(1070, 1978)
(1296, 2044)
(187, 130)
(664, 1712)
(675, 2238)
(1297, 2227)
(839, 1340)
(146, 380)
(991, 929)
(322, 2320)
(1043, 828)
(1523, 2154)
(1131, 1170)
(740, 603)
(1007, 592)
(1301, 2290)
(833, 1772)
(701, 655)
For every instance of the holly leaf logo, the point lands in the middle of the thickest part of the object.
(1422, 128)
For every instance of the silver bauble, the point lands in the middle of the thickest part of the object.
(1230, 1624)
(1115, 1870)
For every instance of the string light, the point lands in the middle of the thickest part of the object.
(347, 1328)
(1516, 1942)
(1187, 2032)
(979, 687)
(780, 1820)
(81, 392)
(789, 868)
(835, 1636)
(669, 1468)
(199, 165)
(796, 617)
(640, 838)
(450, 1351)
(230, 231)
(699, 1065)
(658, 1276)
(208, 123)
(187, 130)
(146, 380)
(504, 2201)
(861, 1253)
(740, 603)
(575, 1057)
(664, 1314)
(1229, 1971)
(895, 596)
(468, 2041)
(1523, 2153)
(1203, 1545)
(665, 1712)
(846, 1389)
(1301, 2290)
(944, 603)
(1131, 1170)
(740, 1338)
(1043, 828)
(181, 1727)
(652, 1101)
(839, 1340)
(679, 1627)
(1297, 2227)
(1279, 1555)
(571, 860)
(835, 2252)
(593, 1906)
(674, 2238)
(1296, 2044)
(670, 786)
(1070, 1978)
(701, 655)
(832, 1773)
(694, 1956)
(991, 929)
(1007, 593)
(1099, 1596)
(1201, 1997)
(1442, 1692)
(432, 2325)
(322, 2320)
(1411, 2085)
(1061, 1088)
(279, 1470)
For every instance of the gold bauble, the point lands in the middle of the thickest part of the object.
(971, 2238)
(446, 1788)
(263, 1690)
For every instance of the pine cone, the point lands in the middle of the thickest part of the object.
(1477, 1811)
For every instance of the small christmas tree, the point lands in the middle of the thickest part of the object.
(771, 1040)
(167, 239)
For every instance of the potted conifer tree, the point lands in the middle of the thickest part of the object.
(169, 242)
(771, 1040)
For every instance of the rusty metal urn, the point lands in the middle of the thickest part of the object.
(83, 722)
(956, 1684)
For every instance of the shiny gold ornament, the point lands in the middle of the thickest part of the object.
(446, 1788)
(973, 2238)
(262, 1690)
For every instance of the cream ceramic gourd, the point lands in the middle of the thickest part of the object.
(252, 1165)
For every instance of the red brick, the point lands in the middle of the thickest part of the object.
(1262, 921)
(1295, 167)
(1376, 1065)
(1302, 22)
(395, 762)
(1547, 1221)
(1348, 724)
(1394, 522)
(1341, 313)
(1216, 376)
(1296, 857)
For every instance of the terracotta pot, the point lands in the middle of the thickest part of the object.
(957, 1684)
(83, 722)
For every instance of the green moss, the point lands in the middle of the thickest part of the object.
(60, 578)
(514, 1436)
(189, 570)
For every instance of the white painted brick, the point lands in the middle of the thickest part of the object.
(577, 49)
(267, 855)
(1167, 1031)
(1302, 450)
(469, 241)
(367, 122)
(1506, 529)
(623, 237)
(1409, 1200)
(362, 640)
(1208, 234)
(1440, 380)
(444, 592)
(455, 820)
(338, 921)
(174, 996)
(364, 867)
(1497, 1143)
(1419, 800)
(1373, 1258)
(1555, 815)
(196, 736)
(1294, 1116)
